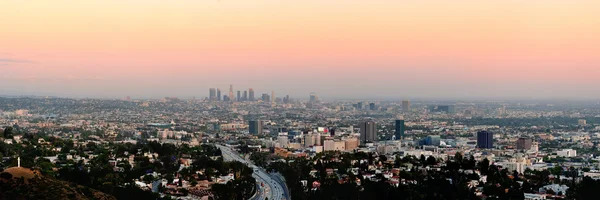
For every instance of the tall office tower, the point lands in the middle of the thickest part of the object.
(255, 127)
(272, 96)
(286, 99)
(485, 140)
(245, 97)
(265, 98)
(309, 140)
(318, 139)
(231, 92)
(239, 95)
(251, 94)
(451, 109)
(524, 143)
(399, 134)
(218, 94)
(313, 98)
(372, 106)
(359, 105)
(211, 94)
(368, 133)
(406, 106)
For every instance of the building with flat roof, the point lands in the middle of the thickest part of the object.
(368, 132)
(255, 127)
(485, 140)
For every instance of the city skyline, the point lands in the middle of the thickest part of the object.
(296, 100)
(341, 49)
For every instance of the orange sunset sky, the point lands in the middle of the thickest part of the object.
(498, 49)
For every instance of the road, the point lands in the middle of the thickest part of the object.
(273, 189)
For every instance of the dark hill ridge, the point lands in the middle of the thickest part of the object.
(23, 183)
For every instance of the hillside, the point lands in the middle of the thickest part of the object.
(23, 183)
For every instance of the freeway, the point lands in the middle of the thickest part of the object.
(272, 189)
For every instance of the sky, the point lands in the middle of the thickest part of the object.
(404, 49)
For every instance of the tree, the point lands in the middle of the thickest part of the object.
(148, 178)
(431, 161)
(556, 170)
(484, 166)
(8, 132)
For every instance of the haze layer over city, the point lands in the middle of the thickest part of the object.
(299, 100)
(339, 49)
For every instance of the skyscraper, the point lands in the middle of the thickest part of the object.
(230, 93)
(406, 106)
(485, 140)
(245, 97)
(399, 134)
(371, 106)
(272, 96)
(255, 127)
(368, 133)
(251, 94)
(218, 94)
(239, 95)
(211, 94)
(265, 98)
(313, 98)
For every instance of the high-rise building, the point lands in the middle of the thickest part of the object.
(406, 106)
(251, 94)
(239, 95)
(372, 106)
(485, 140)
(245, 97)
(399, 134)
(255, 127)
(313, 98)
(309, 140)
(318, 139)
(524, 143)
(359, 105)
(266, 98)
(231, 92)
(272, 96)
(368, 132)
(286, 99)
(211, 94)
(218, 94)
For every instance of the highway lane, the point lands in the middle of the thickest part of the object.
(272, 189)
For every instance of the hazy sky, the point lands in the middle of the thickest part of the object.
(336, 48)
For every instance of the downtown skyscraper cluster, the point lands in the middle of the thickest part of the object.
(239, 95)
